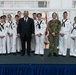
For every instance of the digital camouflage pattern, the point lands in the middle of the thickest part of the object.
(53, 26)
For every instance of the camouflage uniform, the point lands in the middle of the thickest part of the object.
(53, 26)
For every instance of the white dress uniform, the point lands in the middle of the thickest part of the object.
(11, 41)
(3, 32)
(65, 29)
(33, 42)
(73, 41)
(18, 41)
(40, 28)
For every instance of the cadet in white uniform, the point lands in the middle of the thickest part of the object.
(40, 29)
(73, 39)
(4, 18)
(11, 36)
(33, 42)
(3, 33)
(18, 41)
(64, 32)
(19, 14)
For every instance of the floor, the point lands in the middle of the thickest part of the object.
(18, 59)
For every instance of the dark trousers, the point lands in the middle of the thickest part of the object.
(28, 40)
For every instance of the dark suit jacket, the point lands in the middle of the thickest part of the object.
(25, 28)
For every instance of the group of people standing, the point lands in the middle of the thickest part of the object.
(63, 30)
(26, 35)
(9, 41)
(22, 35)
(32, 31)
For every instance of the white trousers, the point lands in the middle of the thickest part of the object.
(3, 45)
(63, 45)
(18, 44)
(33, 43)
(73, 48)
(39, 45)
(11, 44)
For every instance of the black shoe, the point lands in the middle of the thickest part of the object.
(55, 54)
(1, 54)
(49, 54)
(18, 52)
(42, 55)
(35, 54)
(28, 54)
(22, 54)
(14, 53)
(4, 54)
(21, 51)
(32, 51)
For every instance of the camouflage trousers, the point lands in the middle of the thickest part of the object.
(53, 44)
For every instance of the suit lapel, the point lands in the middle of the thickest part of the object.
(28, 20)
(24, 21)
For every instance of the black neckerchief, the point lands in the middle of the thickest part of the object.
(1, 26)
(74, 27)
(63, 23)
(38, 24)
(10, 24)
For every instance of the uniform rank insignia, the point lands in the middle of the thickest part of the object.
(6, 26)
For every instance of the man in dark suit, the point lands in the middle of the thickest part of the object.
(25, 31)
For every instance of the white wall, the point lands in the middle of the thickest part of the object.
(54, 4)
(72, 15)
(66, 4)
(1, 12)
